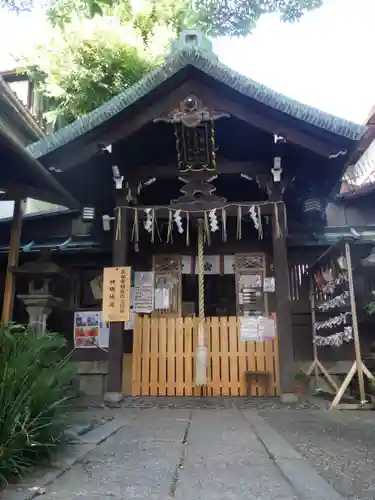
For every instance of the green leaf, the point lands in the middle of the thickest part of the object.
(34, 407)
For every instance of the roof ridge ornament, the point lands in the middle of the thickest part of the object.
(193, 39)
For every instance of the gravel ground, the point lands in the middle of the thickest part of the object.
(339, 445)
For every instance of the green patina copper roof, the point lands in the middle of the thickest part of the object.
(197, 56)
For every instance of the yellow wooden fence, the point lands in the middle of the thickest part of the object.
(163, 358)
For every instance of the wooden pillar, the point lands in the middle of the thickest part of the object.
(13, 256)
(283, 306)
(116, 332)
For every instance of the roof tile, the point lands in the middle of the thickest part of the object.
(209, 64)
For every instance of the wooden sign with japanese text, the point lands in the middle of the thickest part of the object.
(116, 294)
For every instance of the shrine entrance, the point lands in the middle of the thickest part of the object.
(165, 342)
(164, 359)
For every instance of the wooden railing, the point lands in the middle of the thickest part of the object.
(164, 359)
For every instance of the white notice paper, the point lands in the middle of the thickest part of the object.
(144, 292)
(249, 328)
(269, 284)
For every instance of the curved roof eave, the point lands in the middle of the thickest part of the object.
(208, 63)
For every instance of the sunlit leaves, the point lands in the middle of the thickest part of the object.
(91, 61)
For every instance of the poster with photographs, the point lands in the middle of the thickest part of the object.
(90, 330)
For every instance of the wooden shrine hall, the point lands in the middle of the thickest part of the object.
(196, 178)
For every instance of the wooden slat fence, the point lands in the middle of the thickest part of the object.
(164, 351)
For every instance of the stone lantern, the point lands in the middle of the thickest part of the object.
(40, 299)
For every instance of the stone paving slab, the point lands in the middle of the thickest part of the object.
(191, 454)
(126, 470)
(225, 428)
(238, 481)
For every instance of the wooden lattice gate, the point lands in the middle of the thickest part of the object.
(163, 358)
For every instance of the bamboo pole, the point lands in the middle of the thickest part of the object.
(353, 307)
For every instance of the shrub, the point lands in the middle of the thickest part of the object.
(34, 407)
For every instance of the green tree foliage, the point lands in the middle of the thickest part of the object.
(97, 48)
(239, 17)
(90, 61)
(215, 17)
(34, 406)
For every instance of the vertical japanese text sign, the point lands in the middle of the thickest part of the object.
(116, 294)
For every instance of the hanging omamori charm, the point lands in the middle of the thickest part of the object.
(201, 354)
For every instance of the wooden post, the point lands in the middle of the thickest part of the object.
(13, 256)
(116, 332)
(353, 308)
(283, 309)
(313, 320)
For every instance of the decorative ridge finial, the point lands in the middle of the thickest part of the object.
(193, 39)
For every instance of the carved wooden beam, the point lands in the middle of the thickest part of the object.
(252, 169)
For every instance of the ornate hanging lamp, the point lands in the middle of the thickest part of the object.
(194, 130)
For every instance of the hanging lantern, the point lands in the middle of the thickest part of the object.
(194, 134)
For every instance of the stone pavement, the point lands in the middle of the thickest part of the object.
(192, 454)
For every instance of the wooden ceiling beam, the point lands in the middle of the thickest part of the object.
(16, 192)
(212, 100)
(142, 173)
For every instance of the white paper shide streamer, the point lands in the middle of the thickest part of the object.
(254, 216)
(339, 300)
(336, 339)
(333, 322)
(214, 223)
(178, 221)
(148, 222)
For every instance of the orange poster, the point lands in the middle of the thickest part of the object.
(116, 294)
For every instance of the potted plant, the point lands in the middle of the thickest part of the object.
(301, 383)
